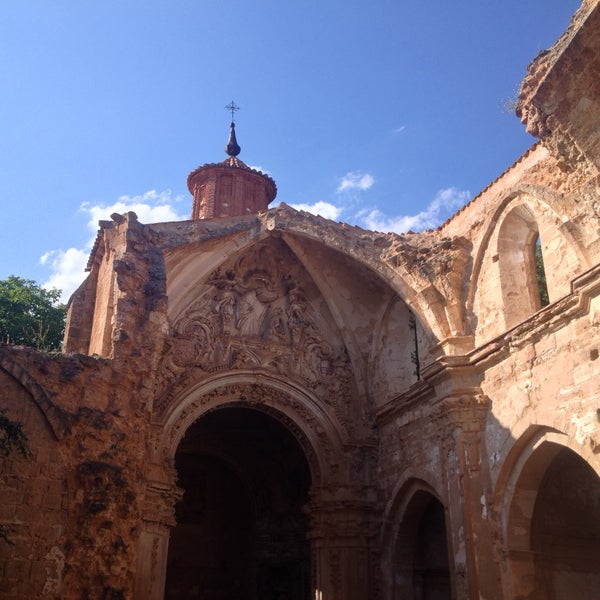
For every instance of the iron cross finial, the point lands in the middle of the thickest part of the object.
(232, 107)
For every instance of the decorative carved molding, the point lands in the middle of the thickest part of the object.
(159, 503)
(461, 422)
(253, 314)
(465, 411)
(292, 412)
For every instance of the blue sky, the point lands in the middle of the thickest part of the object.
(388, 114)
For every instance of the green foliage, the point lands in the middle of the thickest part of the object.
(12, 439)
(540, 273)
(414, 355)
(5, 530)
(30, 315)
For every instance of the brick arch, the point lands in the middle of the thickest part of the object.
(314, 427)
(57, 418)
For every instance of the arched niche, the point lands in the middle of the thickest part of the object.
(517, 239)
(34, 509)
(416, 556)
(505, 289)
(550, 505)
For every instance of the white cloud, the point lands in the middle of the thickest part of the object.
(259, 168)
(446, 202)
(325, 209)
(355, 180)
(151, 207)
(68, 266)
(68, 269)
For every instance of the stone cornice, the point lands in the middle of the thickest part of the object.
(467, 369)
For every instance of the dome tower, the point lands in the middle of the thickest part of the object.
(229, 188)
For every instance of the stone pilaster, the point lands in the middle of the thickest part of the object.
(344, 527)
(461, 422)
(153, 545)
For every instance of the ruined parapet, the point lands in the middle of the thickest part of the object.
(559, 100)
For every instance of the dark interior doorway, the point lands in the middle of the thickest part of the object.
(565, 529)
(241, 527)
(422, 569)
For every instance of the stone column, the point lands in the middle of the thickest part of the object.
(153, 545)
(343, 535)
(461, 420)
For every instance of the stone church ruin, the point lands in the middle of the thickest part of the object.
(261, 403)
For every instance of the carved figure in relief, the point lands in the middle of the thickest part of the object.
(225, 306)
(277, 330)
(252, 315)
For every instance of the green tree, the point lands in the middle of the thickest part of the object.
(30, 315)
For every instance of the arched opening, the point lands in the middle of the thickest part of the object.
(519, 275)
(553, 534)
(241, 527)
(421, 563)
(565, 529)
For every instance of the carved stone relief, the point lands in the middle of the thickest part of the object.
(274, 402)
(253, 314)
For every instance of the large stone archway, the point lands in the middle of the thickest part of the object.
(242, 527)
(334, 498)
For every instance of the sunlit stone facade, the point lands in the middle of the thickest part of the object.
(261, 403)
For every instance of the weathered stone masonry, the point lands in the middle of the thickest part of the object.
(264, 402)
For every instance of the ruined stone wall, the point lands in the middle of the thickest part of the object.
(74, 504)
(548, 377)
(558, 99)
(319, 325)
(34, 503)
(92, 472)
(533, 199)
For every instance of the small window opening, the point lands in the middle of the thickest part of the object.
(414, 355)
(540, 274)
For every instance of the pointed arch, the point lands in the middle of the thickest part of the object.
(57, 418)
(506, 260)
(517, 237)
(415, 543)
(548, 495)
(370, 250)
